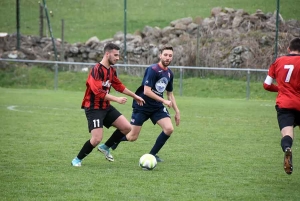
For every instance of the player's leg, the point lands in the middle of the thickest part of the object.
(95, 125)
(131, 136)
(286, 144)
(123, 128)
(134, 133)
(116, 119)
(287, 134)
(286, 120)
(162, 118)
(137, 120)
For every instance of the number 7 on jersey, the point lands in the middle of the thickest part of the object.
(289, 74)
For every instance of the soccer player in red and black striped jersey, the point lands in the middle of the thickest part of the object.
(96, 103)
(286, 71)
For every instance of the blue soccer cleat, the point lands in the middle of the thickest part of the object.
(76, 162)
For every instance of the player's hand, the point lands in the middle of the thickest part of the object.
(121, 100)
(140, 101)
(167, 103)
(177, 118)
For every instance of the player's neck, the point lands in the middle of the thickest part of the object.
(294, 52)
(105, 64)
(162, 66)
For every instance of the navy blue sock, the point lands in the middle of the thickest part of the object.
(286, 142)
(160, 141)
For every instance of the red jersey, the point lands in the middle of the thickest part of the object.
(98, 84)
(286, 71)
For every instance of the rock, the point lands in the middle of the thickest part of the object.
(73, 49)
(185, 21)
(92, 40)
(215, 11)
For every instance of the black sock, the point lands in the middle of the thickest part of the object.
(85, 150)
(286, 142)
(114, 138)
(160, 141)
(124, 138)
(116, 144)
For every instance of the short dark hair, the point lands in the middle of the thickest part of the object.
(111, 46)
(295, 44)
(166, 47)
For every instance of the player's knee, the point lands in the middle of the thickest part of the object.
(126, 129)
(96, 137)
(169, 130)
(95, 141)
(132, 137)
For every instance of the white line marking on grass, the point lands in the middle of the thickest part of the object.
(12, 107)
(266, 105)
(45, 109)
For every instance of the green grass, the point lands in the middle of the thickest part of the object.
(84, 19)
(224, 149)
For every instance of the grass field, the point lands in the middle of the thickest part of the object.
(224, 149)
(209, 86)
(101, 18)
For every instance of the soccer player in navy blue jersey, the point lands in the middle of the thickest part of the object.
(157, 79)
(98, 110)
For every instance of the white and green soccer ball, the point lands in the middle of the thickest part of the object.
(147, 162)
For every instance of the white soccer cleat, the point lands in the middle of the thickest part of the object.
(105, 150)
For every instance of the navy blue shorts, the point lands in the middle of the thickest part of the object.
(99, 117)
(287, 117)
(138, 117)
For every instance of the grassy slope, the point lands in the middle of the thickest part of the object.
(198, 87)
(84, 19)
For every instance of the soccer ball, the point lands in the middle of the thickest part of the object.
(147, 162)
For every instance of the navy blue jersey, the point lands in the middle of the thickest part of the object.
(159, 80)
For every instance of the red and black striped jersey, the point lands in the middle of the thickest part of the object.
(98, 84)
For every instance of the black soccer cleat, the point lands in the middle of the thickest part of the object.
(287, 161)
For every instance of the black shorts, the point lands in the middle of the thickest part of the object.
(287, 117)
(97, 118)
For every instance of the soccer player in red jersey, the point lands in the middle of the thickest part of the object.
(96, 103)
(286, 71)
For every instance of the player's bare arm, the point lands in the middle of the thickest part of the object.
(140, 101)
(171, 97)
(148, 92)
(120, 100)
